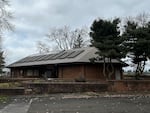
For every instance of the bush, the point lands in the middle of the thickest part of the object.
(80, 79)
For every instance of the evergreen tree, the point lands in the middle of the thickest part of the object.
(106, 37)
(2, 62)
(137, 41)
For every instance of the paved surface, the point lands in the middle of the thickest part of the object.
(17, 105)
(76, 103)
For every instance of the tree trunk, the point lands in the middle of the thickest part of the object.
(139, 70)
(137, 74)
(110, 69)
(104, 68)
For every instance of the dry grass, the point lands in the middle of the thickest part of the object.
(3, 98)
(10, 85)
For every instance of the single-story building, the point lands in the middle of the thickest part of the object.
(67, 64)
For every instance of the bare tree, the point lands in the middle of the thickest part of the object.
(61, 37)
(42, 47)
(5, 16)
(142, 19)
(65, 38)
(81, 37)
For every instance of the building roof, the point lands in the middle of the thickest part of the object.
(80, 55)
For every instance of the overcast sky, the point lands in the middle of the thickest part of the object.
(33, 19)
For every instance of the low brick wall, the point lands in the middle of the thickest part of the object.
(123, 86)
(132, 77)
(129, 86)
(12, 91)
(63, 87)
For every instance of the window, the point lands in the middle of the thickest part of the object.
(29, 72)
(36, 73)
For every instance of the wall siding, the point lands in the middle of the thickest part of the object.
(89, 71)
(94, 72)
(72, 71)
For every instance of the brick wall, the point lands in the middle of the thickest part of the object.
(70, 71)
(129, 85)
(94, 72)
(89, 71)
(64, 87)
(12, 91)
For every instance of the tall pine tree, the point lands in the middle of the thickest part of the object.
(137, 41)
(106, 37)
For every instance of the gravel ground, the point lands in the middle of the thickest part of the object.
(4, 100)
(82, 103)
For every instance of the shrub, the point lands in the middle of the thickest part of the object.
(80, 79)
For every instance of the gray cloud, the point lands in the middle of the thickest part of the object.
(33, 18)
